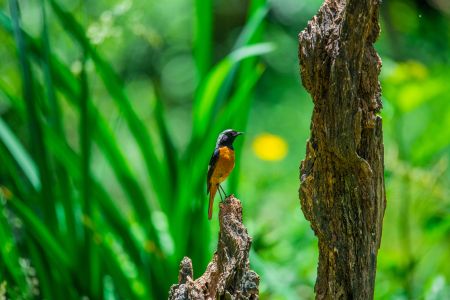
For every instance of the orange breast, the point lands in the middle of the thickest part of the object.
(224, 165)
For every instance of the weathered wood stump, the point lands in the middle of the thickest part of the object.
(342, 184)
(228, 275)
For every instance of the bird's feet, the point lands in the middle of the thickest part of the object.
(221, 190)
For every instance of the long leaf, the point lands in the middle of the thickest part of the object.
(253, 25)
(203, 50)
(47, 289)
(157, 174)
(247, 37)
(172, 159)
(41, 233)
(116, 222)
(204, 106)
(8, 251)
(22, 157)
(71, 162)
(87, 200)
(34, 124)
(249, 68)
(54, 119)
(68, 84)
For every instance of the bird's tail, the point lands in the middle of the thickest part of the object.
(212, 193)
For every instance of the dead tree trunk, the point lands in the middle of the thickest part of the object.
(228, 276)
(342, 186)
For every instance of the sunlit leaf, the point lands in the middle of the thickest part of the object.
(21, 156)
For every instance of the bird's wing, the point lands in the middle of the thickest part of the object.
(211, 166)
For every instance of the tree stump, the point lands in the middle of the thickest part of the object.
(342, 185)
(228, 275)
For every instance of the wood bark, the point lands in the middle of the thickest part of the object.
(228, 276)
(342, 186)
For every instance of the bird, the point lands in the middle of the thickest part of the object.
(220, 165)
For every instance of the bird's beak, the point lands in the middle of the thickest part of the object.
(239, 133)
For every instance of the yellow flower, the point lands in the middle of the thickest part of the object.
(270, 147)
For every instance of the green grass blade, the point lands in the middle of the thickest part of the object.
(34, 123)
(87, 199)
(103, 137)
(7, 94)
(257, 12)
(40, 232)
(8, 251)
(55, 280)
(16, 181)
(6, 22)
(71, 162)
(253, 25)
(157, 173)
(102, 134)
(171, 157)
(55, 110)
(54, 119)
(249, 35)
(65, 80)
(152, 261)
(239, 105)
(203, 35)
(204, 106)
(61, 75)
(125, 277)
(116, 223)
(47, 289)
(19, 153)
(106, 140)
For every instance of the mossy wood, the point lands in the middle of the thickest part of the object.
(342, 186)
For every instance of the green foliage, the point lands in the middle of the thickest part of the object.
(109, 111)
(72, 228)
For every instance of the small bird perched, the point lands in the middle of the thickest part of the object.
(220, 165)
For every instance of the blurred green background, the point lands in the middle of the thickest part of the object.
(109, 111)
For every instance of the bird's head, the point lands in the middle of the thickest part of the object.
(226, 138)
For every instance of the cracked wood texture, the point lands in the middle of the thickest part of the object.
(228, 276)
(342, 186)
